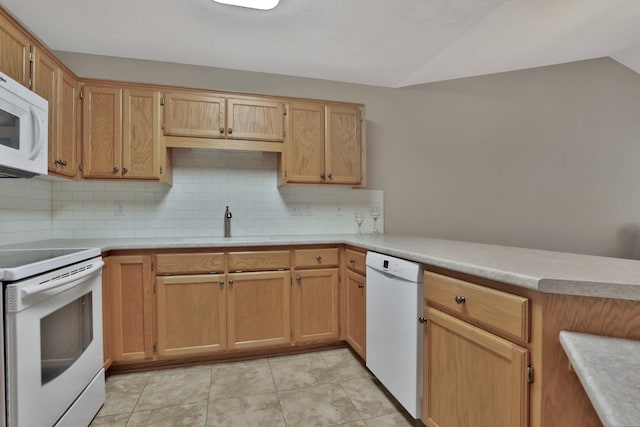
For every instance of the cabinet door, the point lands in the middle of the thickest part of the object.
(106, 315)
(191, 312)
(194, 115)
(304, 149)
(259, 309)
(15, 47)
(130, 307)
(344, 152)
(356, 312)
(315, 305)
(45, 83)
(255, 119)
(141, 134)
(102, 132)
(472, 377)
(67, 129)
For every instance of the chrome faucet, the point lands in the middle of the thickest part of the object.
(227, 222)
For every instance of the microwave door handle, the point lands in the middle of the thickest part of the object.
(37, 130)
(33, 290)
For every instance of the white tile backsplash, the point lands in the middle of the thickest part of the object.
(25, 210)
(204, 182)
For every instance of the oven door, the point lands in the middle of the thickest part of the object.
(23, 131)
(54, 342)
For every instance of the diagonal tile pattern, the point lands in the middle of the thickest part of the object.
(325, 388)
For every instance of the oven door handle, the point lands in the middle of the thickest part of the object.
(33, 290)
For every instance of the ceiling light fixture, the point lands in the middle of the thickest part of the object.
(253, 4)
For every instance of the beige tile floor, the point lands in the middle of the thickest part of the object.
(327, 388)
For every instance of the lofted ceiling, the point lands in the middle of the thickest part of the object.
(392, 43)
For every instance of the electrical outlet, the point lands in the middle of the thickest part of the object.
(119, 210)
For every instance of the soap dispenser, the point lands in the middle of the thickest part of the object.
(227, 222)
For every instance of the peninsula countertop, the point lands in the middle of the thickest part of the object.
(544, 271)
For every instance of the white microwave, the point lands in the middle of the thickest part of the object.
(23, 131)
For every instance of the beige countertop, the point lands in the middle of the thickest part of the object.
(544, 271)
(609, 370)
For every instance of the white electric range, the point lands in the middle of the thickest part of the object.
(52, 336)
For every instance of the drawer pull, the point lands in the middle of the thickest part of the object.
(352, 260)
(319, 258)
(460, 299)
(422, 319)
(361, 285)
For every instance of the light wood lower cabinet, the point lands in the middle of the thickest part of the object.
(192, 315)
(316, 315)
(130, 304)
(472, 377)
(259, 313)
(355, 323)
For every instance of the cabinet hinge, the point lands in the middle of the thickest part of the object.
(529, 374)
(153, 266)
(285, 174)
(284, 110)
(162, 126)
(155, 347)
(284, 133)
(31, 57)
(81, 95)
(160, 170)
(162, 101)
(80, 167)
(30, 83)
(154, 287)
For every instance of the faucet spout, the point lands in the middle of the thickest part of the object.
(227, 222)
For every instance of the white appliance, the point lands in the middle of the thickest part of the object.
(23, 131)
(394, 333)
(53, 373)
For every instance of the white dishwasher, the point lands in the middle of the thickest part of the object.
(394, 333)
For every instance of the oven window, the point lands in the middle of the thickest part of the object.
(64, 335)
(9, 130)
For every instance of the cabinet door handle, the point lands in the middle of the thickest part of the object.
(230, 131)
(116, 169)
(57, 162)
(352, 260)
(422, 319)
(460, 299)
(298, 278)
(322, 175)
(62, 163)
(361, 285)
(221, 130)
(221, 283)
(125, 170)
(329, 176)
(231, 282)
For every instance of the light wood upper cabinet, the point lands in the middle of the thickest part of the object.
(343, 145)
(259, 309)
(211, 120)
(66, 140)
(304, 154)
(191, 313)
(141, 134)
(130, 293)
(102, 132)
(60, 89)
(194, 115)
(15, 48)
(121, 133)
(471, 377)
(324, 144)
(255, 119)
(316, 309)
(45, 84)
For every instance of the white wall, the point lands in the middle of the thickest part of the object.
(205, 182)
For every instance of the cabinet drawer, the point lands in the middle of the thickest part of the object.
(316, 257)
(190, 263)
(356, 261)
(499, 310)
(262, 260)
